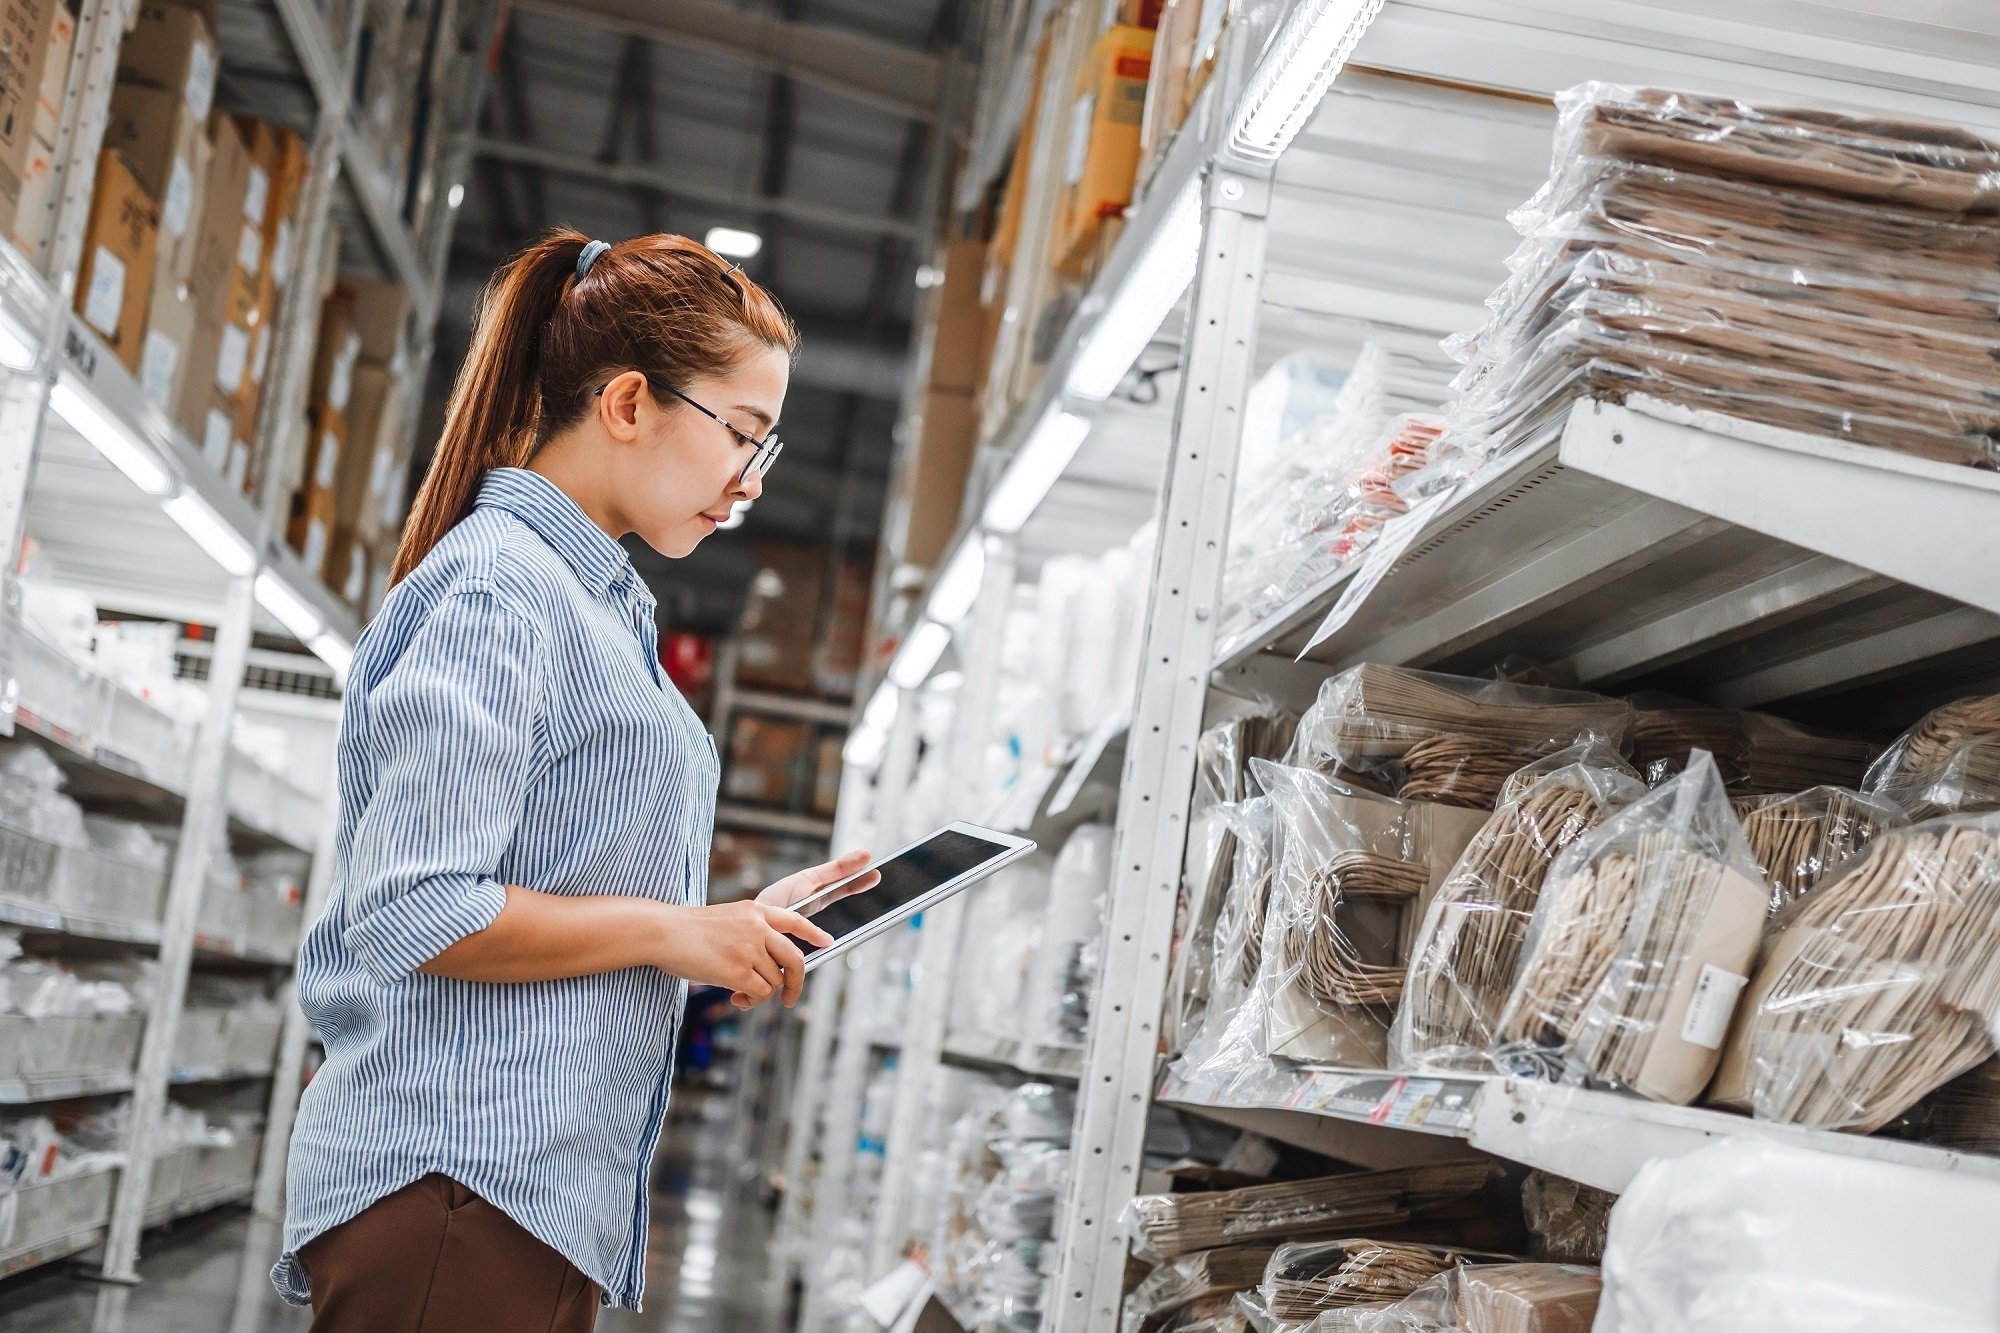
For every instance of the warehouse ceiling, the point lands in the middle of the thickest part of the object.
(812, 123)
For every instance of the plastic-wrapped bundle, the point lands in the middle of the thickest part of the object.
(1487, 1298)
(1949, 763)
(1799, 840)
(1566, 1220)
(1350, 876)
(1057, 995)
(1451, 739)
(1468, 948)
(1227, 1050)
(1306, 1278)
(1175, 1285)
(1003, 930)
(1758, 755)
(32, 799)
(1878, 986)
(1646, 929)
(1166, 1226)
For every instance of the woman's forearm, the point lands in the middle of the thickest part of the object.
(552, 936)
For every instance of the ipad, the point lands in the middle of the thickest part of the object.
(924, 873)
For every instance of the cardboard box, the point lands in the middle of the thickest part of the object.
(1174, 52)
(361, 473)
(33, 210)
(765, 755)
(212, 265)
(826, 777)
(280, 162)
(1140, 13)
(171, 317)
(310, 532)
(25, 30)
(844, 638)
(171, 46)
(116, 280)
(776, 647)
(348, 566)
(377, 312)
(1103, 149)
(326, 446)
(961, 322)
(169, 151)
(55, 74)
(937, 474)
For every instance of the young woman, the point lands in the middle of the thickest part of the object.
(526, 808)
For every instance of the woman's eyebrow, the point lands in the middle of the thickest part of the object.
(759, 413)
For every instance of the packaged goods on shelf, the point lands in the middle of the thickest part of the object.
(998, 949)
(1057, 996)
(204, 407)
(1807, 269)
(32, 799)
(1468, 948)
(1759, 755)
(1878, 985)
(38, 988)
(1451, 739)
(1566, 1220)
(1750, 1236)
(1103, 150)
(1646, 929)
(1948, 763)
(1167, 1226)
(1306, 1278)
(23, 60)
(1009, 1161)
(1351, 875)
(1161, 1297)
(765, 757)
(1091, 613)
(775, 647)
(1799, 840)
(1222, 1050)
(120, 249)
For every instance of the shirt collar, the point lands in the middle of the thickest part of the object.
(586, 548)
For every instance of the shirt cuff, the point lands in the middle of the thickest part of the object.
(402, 935)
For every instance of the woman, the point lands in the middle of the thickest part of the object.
(526, 808)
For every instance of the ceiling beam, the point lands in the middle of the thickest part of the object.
(676, 185)
(866, 69)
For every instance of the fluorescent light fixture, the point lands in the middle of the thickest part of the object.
(734, 242)
(292, 610)
(919, 653)
(455, 196)
(957, 586)
(1144, 299)
(929, 276)
(1034, 469)
(737, 513)
(16, 352)
(882, 707)
(224, 544)
(333, 650)
(865, 747)
(110, 437)
(1301, 65)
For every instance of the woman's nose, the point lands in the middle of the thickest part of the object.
(751, 485)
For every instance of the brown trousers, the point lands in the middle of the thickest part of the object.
(436, 1258)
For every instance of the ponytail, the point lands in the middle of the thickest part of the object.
(490, 420)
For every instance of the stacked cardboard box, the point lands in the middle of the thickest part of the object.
(845, 636)
(36, 39)
(765, 755)
(931, 490)
(776, 648)
(1103, 151)
(1184, 56)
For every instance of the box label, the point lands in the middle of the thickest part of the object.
(157, 364)
(357, 578)
(1710, 1007)
(262, 361)
(200, 91)
(255, 196)
(315, 552)
(215, 438)
(250, 249)
(106, 298)
(329, 457)
(180, 198)
(281, 253)
(239, 463)
(1080, 117)
(232, 358)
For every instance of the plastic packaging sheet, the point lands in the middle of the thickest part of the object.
(1003, 931)
(1646, 929)
(1227, 1049)
(1204, 1275)
(1351, 873)
(1759, 755)
(1494, 1298)
(1467, 950)
(1452, 739)
(1056, 997)
(1808, 269)
(1799, 840)
(1752, 1236)
(1008, 1162)
(1567, 1220)
(1948, 763)
(1878, 986)
(1306, 1278)
(1166, 1226)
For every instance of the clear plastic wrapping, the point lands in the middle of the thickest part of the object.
(1878, 986)
(1758, 755)
(1232, 1025)
(1307, 1278)
(1468, 947)
(1811, 270)
(1948, 763)
(1171, 1287)
(1057, 995)
(1799, 840)
(1487, 1298)
(1646, 929)
(1450, 739)
(1351, 876)
(1167, 1226)
(1567, 1220)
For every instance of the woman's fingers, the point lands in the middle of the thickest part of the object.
(794, 964)
(769, 973)
(791, 923)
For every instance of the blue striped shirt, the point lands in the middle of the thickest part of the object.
(506, 722)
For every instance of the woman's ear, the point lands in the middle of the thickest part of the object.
(619, 405)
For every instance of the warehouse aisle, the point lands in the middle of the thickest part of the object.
(706, 1269)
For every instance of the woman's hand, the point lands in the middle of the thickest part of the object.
(793, 888)
(744, 946)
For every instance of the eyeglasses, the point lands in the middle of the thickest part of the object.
(767, 448)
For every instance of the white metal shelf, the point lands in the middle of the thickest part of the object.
(1030, 1060)
(826, 711)
(55, 1088)
(758, 820)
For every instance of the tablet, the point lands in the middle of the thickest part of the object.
(926, 872)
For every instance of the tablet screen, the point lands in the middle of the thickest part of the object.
(906, 877)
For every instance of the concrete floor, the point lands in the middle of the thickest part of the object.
(707, 1263)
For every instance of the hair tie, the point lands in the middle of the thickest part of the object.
(589, 256)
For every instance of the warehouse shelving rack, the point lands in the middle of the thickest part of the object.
(123, 506)
(1764, 567)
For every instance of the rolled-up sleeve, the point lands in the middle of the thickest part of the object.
(454, 727)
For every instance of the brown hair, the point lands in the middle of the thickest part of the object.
(544, 339)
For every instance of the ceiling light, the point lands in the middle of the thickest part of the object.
(957, 586)
(1034, 469)
(333, 650)
(1302, 64)
(1143, 300)
(16, 352)
(865, 746)
(733, 242)
(882, 707)
(929, 276)
(919, 653)
(292, 610)
(226, 546)
(737, 513)
(455, 197)
(120, 446)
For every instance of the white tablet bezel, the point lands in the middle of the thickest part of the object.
(1014, 848)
